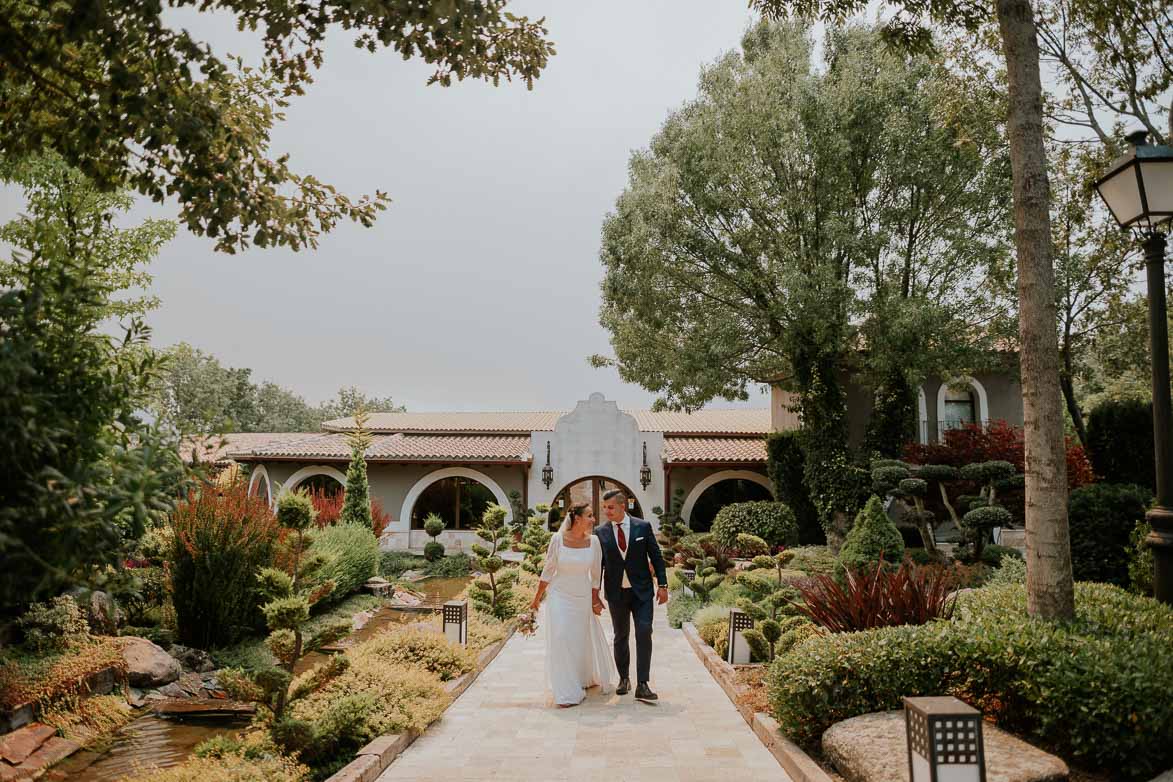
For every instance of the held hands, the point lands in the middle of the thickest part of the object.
(597, 606)
(662, 595)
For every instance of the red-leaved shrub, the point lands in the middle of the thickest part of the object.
(878, 597)
(329, 508)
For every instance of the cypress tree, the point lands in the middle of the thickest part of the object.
(356, 506)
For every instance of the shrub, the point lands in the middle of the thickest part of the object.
(229, 767)
(995, 555)
(877, 597)
(759, 647)
(785, 465)
(873, 535)
(454, 566)
(433, 551)
(55, 625)
(144, 596)
(749, 546)
(710, 615)
(811, 559)
(1083, 689)
(1140, 560)
(702, 545)
(393, 564)
(681, 608)
(155, 546)
(1011, 571)
(773, 522)
(1120, 442)
(221, 540)
(422, 649)
(351, 555)
(716, 635)
(493, 593)
(1101, 518)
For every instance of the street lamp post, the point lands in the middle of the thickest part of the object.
(1138, 190)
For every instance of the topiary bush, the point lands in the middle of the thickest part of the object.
(222, 538)
(1120, 442)
(873, 535)
(773, 522)
(434, 526)
(1081, 689)
(351, 555)
(750, 546)
(1101, 518)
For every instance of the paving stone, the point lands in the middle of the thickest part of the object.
(19, 744)
(505, 726)
(874, 748)
(52, 751)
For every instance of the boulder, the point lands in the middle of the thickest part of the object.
(102, 614)
(147, 665)
(192, 659)
(874, 748)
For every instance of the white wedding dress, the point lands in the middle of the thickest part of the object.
(578, 654)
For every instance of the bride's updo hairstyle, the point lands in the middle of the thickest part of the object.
(573, 513)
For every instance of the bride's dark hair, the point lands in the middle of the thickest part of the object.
(574, 512)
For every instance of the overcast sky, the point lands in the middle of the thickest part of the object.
(478, 288)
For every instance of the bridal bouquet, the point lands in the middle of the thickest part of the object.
(527, 623)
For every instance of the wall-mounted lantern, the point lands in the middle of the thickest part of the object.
(944, 740)
(548, 470)
(645, 472)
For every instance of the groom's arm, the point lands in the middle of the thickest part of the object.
(657, 558)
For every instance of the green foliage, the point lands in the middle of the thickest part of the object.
(295, 511)
(1140, 560)
(492, 594)
(434, 525)
(1120, 442)
(53, 626)
(1011, 571)
(422, 649)
(535, 540)
(785, 464)
(452, 566)
(873, 535)
(759, 647)
(773, 522)
(350, 554)
(995, 555)
(393, 564)
(672, 526)
(811, 559)
(709, 615)
(893, 421)
(750, 546)
(433, 551)
(1101, 518)
(356, 503)
(681, 608)
(221, 539)
(707, 579)
(1078, 688)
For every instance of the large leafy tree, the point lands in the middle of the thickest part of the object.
(787, 203)
(129, 98)
(81, 473)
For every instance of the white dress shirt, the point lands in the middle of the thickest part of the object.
(625, 523)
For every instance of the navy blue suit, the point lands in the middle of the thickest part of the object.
(636, 602)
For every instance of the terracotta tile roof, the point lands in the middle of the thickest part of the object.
(744, 421)
(393, 448)
(714, 449)
(215, 448)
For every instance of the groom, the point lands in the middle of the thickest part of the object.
(628, 545)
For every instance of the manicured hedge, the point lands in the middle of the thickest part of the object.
(1095, 690)
(773, 522)
(1102, 517)
(785, 465)
(1120, 442)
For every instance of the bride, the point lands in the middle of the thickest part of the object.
(577, 653)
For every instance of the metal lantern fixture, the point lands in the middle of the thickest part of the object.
(1138, 190)
(944, 740)
(456, 621)
(548, 470)
(645, 472)
(738, 651)
(687, 576)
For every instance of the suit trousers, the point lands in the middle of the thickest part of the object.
(630, 607)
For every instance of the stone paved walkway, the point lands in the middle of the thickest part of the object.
(503, 728)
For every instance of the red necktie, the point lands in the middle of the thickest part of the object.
(622, 539)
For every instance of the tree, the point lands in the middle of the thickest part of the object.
(129, 99)
(493, 592)
(350, 399)
(81, 473)
(66, 215)
(781, 206)
(1050, 588)
(356, 506)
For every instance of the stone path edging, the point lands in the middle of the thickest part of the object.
(373, 759)
(797, 763)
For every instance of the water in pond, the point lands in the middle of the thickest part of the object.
(147, 742)
(436, 592)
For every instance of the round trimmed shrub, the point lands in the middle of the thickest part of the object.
(773, 522)
(751, 546)
(1101, 518)
(433, 550)
(873, 535)
(1081, 689)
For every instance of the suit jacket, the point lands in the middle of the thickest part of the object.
(642, 548)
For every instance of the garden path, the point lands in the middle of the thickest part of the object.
(502, 727)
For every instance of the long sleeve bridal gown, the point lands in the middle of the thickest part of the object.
(577, 653)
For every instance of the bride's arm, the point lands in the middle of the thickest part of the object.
(596, 573)
(548, 570)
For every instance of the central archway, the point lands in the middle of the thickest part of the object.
(591, 489)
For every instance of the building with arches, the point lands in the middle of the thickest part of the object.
(456, 464)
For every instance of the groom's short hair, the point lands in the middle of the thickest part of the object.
(615, 493)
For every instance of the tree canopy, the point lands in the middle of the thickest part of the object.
(131, 99)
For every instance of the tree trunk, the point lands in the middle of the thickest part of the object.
(1073, 409)
(1050, 592)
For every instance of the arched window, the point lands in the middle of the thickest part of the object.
(460, 501)
(321, 485)
(961, 402)
(724, 493)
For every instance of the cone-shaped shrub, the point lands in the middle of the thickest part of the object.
(873, 535)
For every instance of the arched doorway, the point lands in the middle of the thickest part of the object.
(722, 493)
(591, 490)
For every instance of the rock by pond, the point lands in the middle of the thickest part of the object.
(147, 664)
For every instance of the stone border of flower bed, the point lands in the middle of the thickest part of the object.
(794, 761)
(373, 759)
